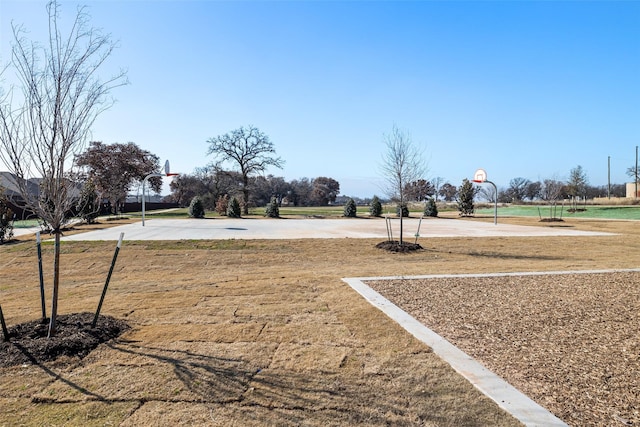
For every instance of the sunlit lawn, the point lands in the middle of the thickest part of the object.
(26, 223)
(590, 211)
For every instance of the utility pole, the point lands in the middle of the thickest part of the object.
(609, 177)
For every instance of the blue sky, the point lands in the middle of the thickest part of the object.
(520, 88)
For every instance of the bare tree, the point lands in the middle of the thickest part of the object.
(517, 189)
(437, 183)
(250, 149)
(552, 190)
(402, 163)
(48, 122)
(487, 193)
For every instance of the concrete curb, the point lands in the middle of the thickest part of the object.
(497, 389)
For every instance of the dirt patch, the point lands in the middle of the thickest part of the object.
(75, 338)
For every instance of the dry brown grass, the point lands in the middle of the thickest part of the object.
(263, 332)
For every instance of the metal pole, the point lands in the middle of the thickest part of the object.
(106, 284)
(44, 309)
(144, 185)
(144, 182)
(495, 201)
(609, 177)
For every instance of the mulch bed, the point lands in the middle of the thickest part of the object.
(28, 342)
(396, 246)
(568, 341)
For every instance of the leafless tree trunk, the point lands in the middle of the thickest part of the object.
(47, 122)
(401, 163)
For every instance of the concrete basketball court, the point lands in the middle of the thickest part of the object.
(259, 228)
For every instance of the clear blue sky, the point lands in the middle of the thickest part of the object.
(519, 88)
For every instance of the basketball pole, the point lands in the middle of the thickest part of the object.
(167, 172)
(480, 177)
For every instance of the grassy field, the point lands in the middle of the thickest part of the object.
(590, 211)
(26, 223)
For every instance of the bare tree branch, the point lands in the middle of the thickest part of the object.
(47, 123)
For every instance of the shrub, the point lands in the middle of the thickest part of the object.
(375, 209)
(222, 205)
(6, 222)
(88, 205)
(350, 209)
(272, 210)
(405, 210)
(465, 198)
(196, 208)
(430, 208)
(233, 211)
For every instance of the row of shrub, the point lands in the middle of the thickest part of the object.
(375, 208)
(231, 208)
(224, 206)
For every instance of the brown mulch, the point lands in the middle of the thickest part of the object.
(396, 246)
(569, 341)
(28, 342)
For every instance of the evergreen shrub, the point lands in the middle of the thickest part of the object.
(375, 209)
(405, 210)
(272, 210)
(6, 222)
(350, 210)
(196, 208)
(430, 208)
(233, 211)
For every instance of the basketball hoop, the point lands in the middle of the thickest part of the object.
(480, 176)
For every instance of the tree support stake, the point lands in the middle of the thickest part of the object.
(106, 284)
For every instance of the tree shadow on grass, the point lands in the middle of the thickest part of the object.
(275, 392)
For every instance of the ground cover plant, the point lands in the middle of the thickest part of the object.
(262, 332)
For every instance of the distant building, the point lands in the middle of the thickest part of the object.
(9, 185)
(631, 189)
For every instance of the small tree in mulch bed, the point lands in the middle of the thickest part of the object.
(401, 164)
(28, 342)
(395, 246)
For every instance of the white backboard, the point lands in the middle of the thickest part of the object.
(480, 176)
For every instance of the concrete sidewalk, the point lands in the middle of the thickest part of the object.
(358, 228)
